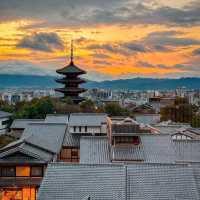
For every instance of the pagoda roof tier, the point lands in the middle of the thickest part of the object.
(77, 99)
(71, 69)
(70, 80)
(70, 89)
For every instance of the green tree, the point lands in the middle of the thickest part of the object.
(181, 111)
(195, 121)
(88, 106)
(37, 108)
(114, 109)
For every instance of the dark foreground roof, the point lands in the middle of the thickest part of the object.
(4, 114)
(63, 182)
(119, 182)
(39, 143)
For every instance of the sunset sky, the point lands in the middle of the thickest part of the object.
(113, 38)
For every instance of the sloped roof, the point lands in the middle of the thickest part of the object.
(87, 119)
(153, 149)
(196, 172)
(70, 181)
(161, 182)
(71, 68)
(30, 154)
(113, 182)
(94, 150)
(71, 140)
(187, 150)
(4, 114)
(127, 153)
(158, 148)
(62, 119)
(45, 135)
(41, 141)
(23, 123)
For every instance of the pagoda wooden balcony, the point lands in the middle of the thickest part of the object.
(20, 181)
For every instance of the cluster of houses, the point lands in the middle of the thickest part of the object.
(90, 156)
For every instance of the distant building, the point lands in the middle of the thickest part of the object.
(71, 81)
(159, 102)
(147, 118)
(5, 121)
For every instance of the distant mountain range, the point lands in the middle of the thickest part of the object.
(30, 81)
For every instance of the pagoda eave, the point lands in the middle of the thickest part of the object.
(70, 90)
(67, 81)
(70, 73)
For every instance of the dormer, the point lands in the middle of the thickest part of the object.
(126, 140)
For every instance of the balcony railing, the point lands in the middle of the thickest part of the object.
(20, 181)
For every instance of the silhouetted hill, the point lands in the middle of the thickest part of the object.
(30, 81)
(147, 84)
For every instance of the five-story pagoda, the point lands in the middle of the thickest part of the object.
(71, 80)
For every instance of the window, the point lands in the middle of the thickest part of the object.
(127, 140)
(5, 122)
(22, 171)
(74, 129)
(8, 171)
(75, 153)
(37, 171)
(70, 154)
(86, 129)
(79, 128)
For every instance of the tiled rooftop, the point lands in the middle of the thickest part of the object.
(117, 182)
(87, 119)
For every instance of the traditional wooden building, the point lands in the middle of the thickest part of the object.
(71, 80)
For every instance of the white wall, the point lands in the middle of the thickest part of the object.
(3, 128)
(90, 129)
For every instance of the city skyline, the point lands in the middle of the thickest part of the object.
(113, 39)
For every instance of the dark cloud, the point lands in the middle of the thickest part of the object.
(93, 12)
(169, 38)
(127, 48)
(100, 62)
(107, 47)
(196, 52)
(190, 67)
(23, 67)
(100, 55)
(133, 46)
(161, 48)
(41, 42)
(149, 65)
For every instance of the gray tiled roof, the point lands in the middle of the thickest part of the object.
(158, 148)
(187, 150)
(23, 123)
(112, 182)
(153, 149)
(127, 153)
(161, 182)
(71, 140)
(4, 114)
(76, 182)
(63, 119)
(31, 153)
(94, 150)
(196, 172)
(87, 119)
(45, 135)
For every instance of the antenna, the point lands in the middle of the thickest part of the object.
(72, 51)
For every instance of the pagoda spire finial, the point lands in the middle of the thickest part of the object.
(72, 52)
